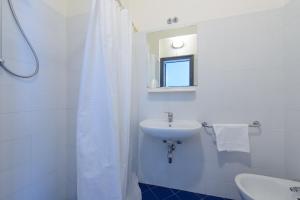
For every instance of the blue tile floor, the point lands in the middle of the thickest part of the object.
(151, 192)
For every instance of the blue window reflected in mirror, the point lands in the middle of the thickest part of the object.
(177, 71)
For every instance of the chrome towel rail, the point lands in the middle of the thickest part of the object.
(255, 124)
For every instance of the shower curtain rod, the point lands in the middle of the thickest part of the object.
(123, 7)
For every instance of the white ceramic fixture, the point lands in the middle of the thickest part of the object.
(175, 130)
(256, 187)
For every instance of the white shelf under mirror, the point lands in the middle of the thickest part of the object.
(172, 89)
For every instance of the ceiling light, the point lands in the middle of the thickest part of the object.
(177, 44)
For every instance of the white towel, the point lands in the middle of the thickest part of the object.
(232, 137)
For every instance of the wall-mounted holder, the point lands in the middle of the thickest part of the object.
(254, 124)
(173, 20)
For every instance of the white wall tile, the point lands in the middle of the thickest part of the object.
(76, 35)
(11, 181)
(292, 70)
(33, 112)
(15, 153)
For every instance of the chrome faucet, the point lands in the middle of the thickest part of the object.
(170, 116)
(295, 189)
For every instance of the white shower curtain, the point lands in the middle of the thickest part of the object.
(103, 121)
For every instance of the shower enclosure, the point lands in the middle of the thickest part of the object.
(34, 139)
(38, 115)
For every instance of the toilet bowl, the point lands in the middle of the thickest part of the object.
(256, 187)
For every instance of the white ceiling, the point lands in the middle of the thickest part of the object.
(69, 7)
(74, 7)
(58, 5)
(152, 14)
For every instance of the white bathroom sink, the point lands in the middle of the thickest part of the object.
(255, 187)
(176, 130)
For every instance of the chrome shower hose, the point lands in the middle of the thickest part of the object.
(37, 64)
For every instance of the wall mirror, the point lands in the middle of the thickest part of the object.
(173, 59)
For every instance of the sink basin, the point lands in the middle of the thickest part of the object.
(255, 187)
(176, 130)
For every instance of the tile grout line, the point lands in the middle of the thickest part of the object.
(153, 193)
(173, 194)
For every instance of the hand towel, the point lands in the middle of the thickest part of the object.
(232, 137)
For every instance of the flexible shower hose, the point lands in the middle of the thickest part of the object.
(37, 65)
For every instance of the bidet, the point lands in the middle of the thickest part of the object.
(257, 187)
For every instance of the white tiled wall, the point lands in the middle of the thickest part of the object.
(33, 112)
(292, 66)
(241, 79)
(76, 30)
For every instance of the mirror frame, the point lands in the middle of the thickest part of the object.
(163, 69)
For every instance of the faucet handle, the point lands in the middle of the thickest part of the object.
(169, 113)
(170, 116)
